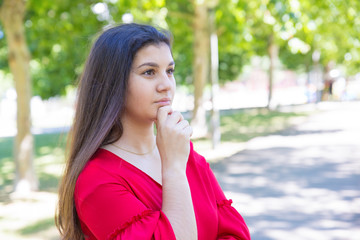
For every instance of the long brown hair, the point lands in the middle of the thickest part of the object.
(100, 103)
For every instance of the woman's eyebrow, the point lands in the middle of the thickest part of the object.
(152, 64)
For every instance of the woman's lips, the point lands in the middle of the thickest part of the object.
(164, 102)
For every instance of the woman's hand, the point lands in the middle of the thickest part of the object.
(173, 136)
(172, 139)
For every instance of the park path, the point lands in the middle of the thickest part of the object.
(302, 183)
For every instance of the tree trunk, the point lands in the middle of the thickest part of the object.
(308, 83)
(12, 14)
(326, 93)
(201, 67)
(273, 54)
(214, 77)
(317, 75)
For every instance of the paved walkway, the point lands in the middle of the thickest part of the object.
(303, 183)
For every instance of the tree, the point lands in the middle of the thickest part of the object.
(12, 14)
(334, 28)
(193, 47)
(235, 40)
(200, 65)
(327, 30)
(42, 22)
(59, 34)
(271, 23)
(214, 79)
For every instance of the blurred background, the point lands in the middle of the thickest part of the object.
(257, 79)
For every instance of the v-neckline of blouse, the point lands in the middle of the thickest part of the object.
(133, 166)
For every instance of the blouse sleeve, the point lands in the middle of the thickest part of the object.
(112, 211)
(231, 225)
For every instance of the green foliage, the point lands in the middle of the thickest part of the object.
(230, 65)
(331, 27)
(180, 21)
(295, 61)
(59, 34)
(234, 49)
(3, 52)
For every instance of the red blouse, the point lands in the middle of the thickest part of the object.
(116, 200)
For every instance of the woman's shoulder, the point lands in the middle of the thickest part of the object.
(195, 157)
(102, 167)
(103, 160)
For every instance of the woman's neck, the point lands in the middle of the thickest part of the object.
(137, 137)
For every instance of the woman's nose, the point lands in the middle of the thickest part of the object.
(165, 82)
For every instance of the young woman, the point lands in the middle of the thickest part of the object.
(123, 182)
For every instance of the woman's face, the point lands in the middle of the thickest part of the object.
(151, 83)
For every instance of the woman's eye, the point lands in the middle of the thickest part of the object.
(149, 72)
(171, 71)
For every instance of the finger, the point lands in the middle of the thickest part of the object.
(181, 117)
(162, 114)
(182, 124)
(175, 117)
(188, 131)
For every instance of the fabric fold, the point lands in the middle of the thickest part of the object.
(147, 225)
(128, 223)
(224, 202)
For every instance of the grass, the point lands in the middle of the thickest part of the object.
(236, 126)
(48, 162)
(33, 219)
(38, 226)
(242, 125)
